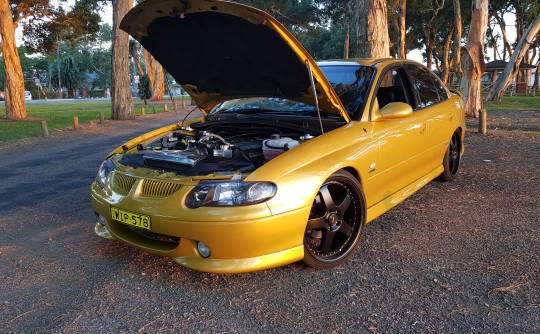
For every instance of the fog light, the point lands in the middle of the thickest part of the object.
(203, 249)
(102, 220)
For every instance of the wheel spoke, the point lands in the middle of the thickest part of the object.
(316, 223)
(327, 198)
(327, 241)
(345, 204)
(345, 228)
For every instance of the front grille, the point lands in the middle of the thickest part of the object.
(158, 188)
(123, 182)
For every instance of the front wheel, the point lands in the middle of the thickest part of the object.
(452, 159)
(336, 222)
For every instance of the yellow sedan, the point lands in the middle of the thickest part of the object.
(292, 157)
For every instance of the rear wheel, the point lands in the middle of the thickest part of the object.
(451, 159)
(336, 222)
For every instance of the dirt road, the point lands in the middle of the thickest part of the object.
(460, 257)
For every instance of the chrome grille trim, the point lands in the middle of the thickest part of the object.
(152, 188)
(123, 182)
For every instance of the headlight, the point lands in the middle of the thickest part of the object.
(230, 193)
(104, 172)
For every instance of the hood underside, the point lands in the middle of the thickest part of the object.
(220, 50)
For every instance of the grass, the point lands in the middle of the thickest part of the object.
(59, 115)
(514, 103)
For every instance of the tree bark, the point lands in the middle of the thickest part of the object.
(122, 101)
(473, 65)
(372, 29)
(135, 55)
(512, 68)
(346, 43)
(502, 26)
(149, 61)
(159, 83)
(457, 40)
(14, 86)
(402, 53)
(445, 60)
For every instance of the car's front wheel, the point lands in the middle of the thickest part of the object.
(336, 222)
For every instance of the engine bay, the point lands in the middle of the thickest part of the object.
(217, 147)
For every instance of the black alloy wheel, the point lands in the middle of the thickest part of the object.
(336, 222)
(452, 159)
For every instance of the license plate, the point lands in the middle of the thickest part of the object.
(131, 218)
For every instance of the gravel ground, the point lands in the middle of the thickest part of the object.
(459, 257)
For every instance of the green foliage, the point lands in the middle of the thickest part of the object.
(143, 88)
(49, 24)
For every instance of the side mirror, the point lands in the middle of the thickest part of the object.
(395, 110)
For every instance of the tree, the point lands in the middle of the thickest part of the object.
(43, 21)
(14, 86)
(512, 68)
(458, 26)
(122, 101)
(143, 89)
(372, 29)
(473, 65)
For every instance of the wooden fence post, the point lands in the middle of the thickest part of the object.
(165, 107)
(101, 117)
(142, 111)
(482, 121)
(75, 122)
(44, 129)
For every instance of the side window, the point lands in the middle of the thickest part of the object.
(424, 86)
(391, 88)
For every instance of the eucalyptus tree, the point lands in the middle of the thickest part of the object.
(372, 29)
(43, 21)
(122, 101)
(473, 65)
(511, 69)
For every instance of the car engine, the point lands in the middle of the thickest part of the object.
(207, 148)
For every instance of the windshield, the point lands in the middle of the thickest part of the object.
(351, 83)
(263, 104)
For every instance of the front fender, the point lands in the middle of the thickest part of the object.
(300, 172)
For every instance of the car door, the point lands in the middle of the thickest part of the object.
(402, 141)
(433, 100)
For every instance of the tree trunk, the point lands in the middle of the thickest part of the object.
(512, 68)
(14, 86)
(445, 60)
(473, 65)
(159, 83)
(149, 61)
(372, 29)
(135, 55)
(122, 101)
(402, 53)
(502, 26)
(346, 43)
(457, 40)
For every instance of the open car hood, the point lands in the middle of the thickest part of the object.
(220, 50)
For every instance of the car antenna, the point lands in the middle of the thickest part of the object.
(315, 94)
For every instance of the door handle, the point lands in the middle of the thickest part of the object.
(423, 128)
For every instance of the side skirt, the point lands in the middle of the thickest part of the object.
(393, 200)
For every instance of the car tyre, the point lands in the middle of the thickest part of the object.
(336, 222)
(452, 159)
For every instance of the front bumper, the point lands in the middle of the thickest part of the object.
(236, 245)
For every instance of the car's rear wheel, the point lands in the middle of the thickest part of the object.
(452, 159)
(336, 222)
